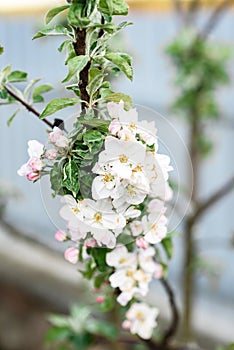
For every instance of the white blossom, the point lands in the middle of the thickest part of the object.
(142, 318)
(121, 257)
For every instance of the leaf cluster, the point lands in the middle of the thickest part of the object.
(32, 93)
(79, 330)
(95, 18)
(71, 173)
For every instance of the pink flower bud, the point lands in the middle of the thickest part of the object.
(35, 164)
(71, 255)
(33, 176)
(57, 137)
(90, 243)
(100, 299)
(55, 134)
(158, 273)
(115, 127)
(142, 243)
(126, 325)
(60, 236)
(51, 154)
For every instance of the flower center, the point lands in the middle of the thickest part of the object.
(154, 227)
(137, 168)
(123, 158)
(132, 126)
(131, 190)
(75, 210)
(98, 216)
(130, 273)
(140, 315)
(108, 178)
(122, 260)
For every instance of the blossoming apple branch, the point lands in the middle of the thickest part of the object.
(112, 180)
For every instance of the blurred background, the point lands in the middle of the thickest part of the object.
(34, 278)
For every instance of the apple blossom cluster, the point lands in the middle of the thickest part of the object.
(40, 158)
(123, 214)
(133, 272)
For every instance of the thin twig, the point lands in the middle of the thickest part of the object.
(214, 198)
(175, 313)
(27, 106)
(215, 16)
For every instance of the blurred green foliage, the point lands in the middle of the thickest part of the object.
(201, 68)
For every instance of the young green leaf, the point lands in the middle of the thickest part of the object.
(1, 50)
(4, 74)
(168, 246)
(28, 88)
(113, 7)
(75, 66)
(57, 30)
(57, 334)
(54, 12)
(92, 136)
(107, 27)
(17, 76)
(57, 104)
(122, 62)
(117, 97)
(10, 120)
(95, 81)
(76, 17)
(71, 177)
(41, 89)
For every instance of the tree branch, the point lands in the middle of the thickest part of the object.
(215, 16)
(175, 313)
(28, 106)
(80, 49)
(214, 198)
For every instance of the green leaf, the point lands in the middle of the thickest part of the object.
(54, 12)
(117, 97)
(99, 279)
(64, 45)
(100, 124)
(102, 328)
(123, 25)
(75, 66)
(121, 62)
(41, 89)
(58, 320)
(99, 256)
(56, 179)
(71, 177)
(108, 304)
(168, 246)
(56, 105)
(56, 334)
(10, 120)
(4, 74)
(113, 7)
(28, 88)
(92, 136)
(107, 27)
(76, 15)
(96, 77)
(57, 30)
(1, 50)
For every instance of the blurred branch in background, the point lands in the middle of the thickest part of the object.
(201, 69)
